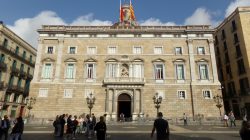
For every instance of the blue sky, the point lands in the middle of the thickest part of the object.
(25, 16)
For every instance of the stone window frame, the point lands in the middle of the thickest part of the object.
(68, 93)
(158, 47)
(43, 92)
(69, 47)
(137, 47)
(205, 95)
(89, 52)
(110, 51)
(179, 92)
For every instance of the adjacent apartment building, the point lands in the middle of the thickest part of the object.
(232, 45)
(17, 61)
(124, 66)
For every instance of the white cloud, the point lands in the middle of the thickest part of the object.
(26, 28)
(201, 16)
(155, 22)
(236, 3)
(88, 20)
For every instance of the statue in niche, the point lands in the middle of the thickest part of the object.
(124, 71)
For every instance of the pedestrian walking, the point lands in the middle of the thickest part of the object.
(162, 128)
(225, 119)
(69, 131)
(185, 119)
(5, 125)
(101, 129)
(62, 123)
(245, 130)
(232, 119)
(75, 124)
(17, 130)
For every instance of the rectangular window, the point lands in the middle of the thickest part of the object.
(72, 50)
(241, 67)
(207, 94)
(181, 94)
(137, 50)
(158, 50)
(234, 27)
(50, 50)
(203, 71)
(30, 58)
(180, 71)
(226, 58)
(178, 50)
(19, 82)
(225, 45)
(223, 34)
(201, 50)
(68, 93)
(17, 50)
(111, 50)
(238, 51)
(137, 72)
(236, 39)
(43, 92)
(5, 43)
(91, 50)
(159, 72)
(244, 86)
(24, 54)
(47, 71)
(70, 70)
(90, 71)
(111, 70)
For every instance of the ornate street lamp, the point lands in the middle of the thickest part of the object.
(157, 101)
(29, 103)
(90, 101)
(218, 100)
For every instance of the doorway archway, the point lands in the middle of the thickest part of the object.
(124, 106)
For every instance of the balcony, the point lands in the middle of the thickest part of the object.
(3, 66)
(124, 81)
(29, 76)
(23, 74)
(13, 53)
(14, 71)
(15, 89)
(1, 85)
(244, 92)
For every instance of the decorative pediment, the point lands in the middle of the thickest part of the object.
(179, 60)
(70, 60)
(48, 60)
(111, 60)
(90, 60)
(138, 60)
(158, 60)
(202, 60)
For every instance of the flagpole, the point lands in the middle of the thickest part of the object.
(120, 10)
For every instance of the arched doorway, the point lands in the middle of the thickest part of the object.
(124, 106)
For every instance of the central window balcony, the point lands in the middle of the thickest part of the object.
(124, 81)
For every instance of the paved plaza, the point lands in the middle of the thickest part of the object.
(142, 132)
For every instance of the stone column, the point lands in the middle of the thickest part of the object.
(135, 105)
(141, 104)
(114, 105)
(38, 61)
(213, 60)
(59, 60)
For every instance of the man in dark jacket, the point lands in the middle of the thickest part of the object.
(5, 127)
(100, 129)
(162, 128)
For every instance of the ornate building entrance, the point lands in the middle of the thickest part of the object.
(124, 106)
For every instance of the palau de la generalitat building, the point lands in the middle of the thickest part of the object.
(124, 66)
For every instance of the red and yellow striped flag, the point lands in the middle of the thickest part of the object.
(132, 13)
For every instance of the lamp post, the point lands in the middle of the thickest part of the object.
(90, 101)
(218, 100)
(29, 103)
(157, 101)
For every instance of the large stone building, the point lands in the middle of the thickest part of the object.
(124, 66)
(232, 43)
(17, 61)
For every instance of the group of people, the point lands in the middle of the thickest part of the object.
(230, 117)
(83, 124)
(17, 129)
